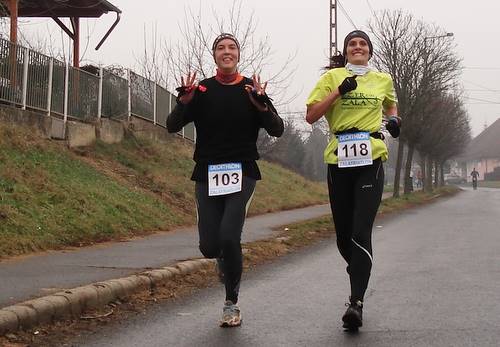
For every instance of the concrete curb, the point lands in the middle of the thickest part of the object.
(72, 302)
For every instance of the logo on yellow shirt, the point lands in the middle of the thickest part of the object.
(359, 100)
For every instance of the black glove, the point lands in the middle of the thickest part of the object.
(347, 85)
(262, 99)
(182, 91)
(393, 126)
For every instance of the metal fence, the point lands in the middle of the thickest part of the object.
(12, 61)
(114, 96)
(35, 81)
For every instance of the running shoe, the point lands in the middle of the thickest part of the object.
(353, 317)
(231, 315)
(219, 266)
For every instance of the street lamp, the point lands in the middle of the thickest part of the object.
(438, 36)
(428, 182)
(426, 50)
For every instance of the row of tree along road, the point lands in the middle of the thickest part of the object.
(426, 68)
(421, 58)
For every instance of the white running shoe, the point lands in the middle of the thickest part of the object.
(231, 315)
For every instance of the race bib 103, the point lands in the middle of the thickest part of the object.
(224, 179)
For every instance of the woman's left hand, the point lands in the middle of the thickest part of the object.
(259, 89)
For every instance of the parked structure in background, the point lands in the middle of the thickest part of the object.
(34, 81)
(57, 9)
(483, 153)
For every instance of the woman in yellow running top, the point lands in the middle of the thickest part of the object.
(353, 100)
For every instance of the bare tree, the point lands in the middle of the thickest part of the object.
(313, 165)
(151, 63)
(288, 150)
(445, 135)
(168, 61)
(421, 65)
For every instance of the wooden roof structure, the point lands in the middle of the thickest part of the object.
(57, 9)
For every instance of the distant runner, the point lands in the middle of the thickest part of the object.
(228, 110)
(353, 99)
(475, 176)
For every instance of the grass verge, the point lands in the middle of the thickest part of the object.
(52, 197)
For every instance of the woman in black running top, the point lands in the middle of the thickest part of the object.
(228, 111)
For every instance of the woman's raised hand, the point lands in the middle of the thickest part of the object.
(187, 89)
(255, 91)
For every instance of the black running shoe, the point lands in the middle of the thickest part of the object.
(353, 317)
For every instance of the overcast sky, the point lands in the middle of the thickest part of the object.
(303, 26)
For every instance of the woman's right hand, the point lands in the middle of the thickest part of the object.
(348, 85)
(188, 86)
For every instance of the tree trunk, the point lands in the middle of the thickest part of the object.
(428, 176)
(408, 187)
(397, 173)
(441, 174)
(423, 172)
(436, 174)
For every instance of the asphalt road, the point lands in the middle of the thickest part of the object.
(435, 282)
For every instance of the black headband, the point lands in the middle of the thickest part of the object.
(224, 36)
(357, 33)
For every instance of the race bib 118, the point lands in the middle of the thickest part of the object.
(354, 149)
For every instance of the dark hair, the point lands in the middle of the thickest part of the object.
(336, 61)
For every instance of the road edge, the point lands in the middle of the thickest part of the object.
(73, 302)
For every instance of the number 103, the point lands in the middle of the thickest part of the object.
(225, 179)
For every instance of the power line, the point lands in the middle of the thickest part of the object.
(478, 85)
(482, 90)
(370, 6)
(477, 103)
(480, 68)
(347, 15)
(483, 100)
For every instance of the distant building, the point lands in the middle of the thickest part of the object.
(483, 153)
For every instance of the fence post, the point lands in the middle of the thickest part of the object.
(99, 96)
(154, 104)
(25, 77)
(66, 92)
(49, 91)
(129, 106)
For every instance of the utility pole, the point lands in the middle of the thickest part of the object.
(335, 58)
(333, 28)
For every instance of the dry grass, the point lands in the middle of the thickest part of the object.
(52, 197)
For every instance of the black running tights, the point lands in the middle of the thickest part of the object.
(220, 223)
(355, 195)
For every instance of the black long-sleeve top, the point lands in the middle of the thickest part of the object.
(227, 126)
